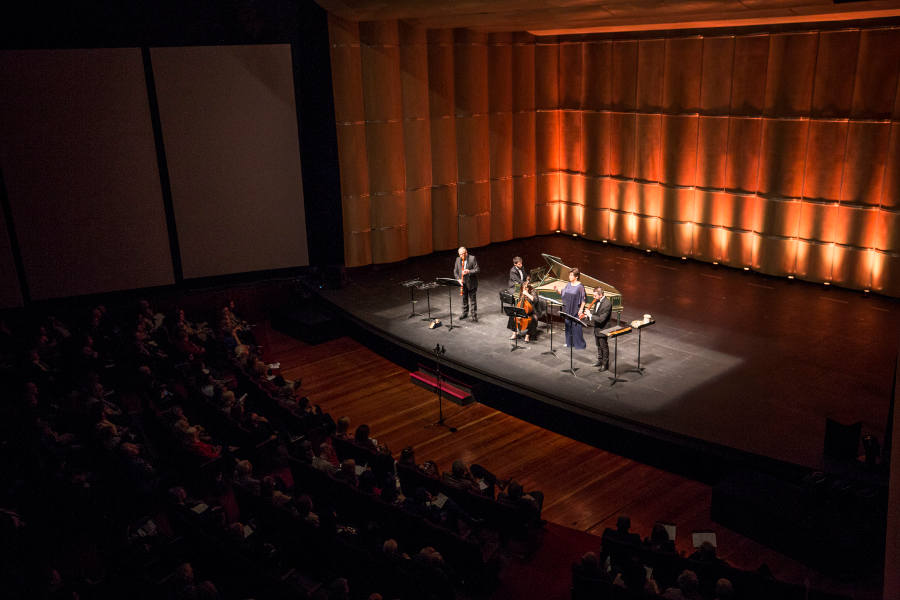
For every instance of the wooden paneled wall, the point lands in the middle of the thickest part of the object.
(774, 151)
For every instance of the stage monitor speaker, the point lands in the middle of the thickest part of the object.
(842, 441)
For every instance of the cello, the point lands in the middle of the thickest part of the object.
(526, 324)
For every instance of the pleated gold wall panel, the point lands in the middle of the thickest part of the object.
(547, 140)
(775, 216)
(649, 132)
(742, 162)
(596, 143)
(825, 159)
(815, 260)
(856, 226)
(766, 150)
(474, 213)
(781, 158)
(890, 196)
(775, 255)
(789, 73)
(852, 267)
(624, 75)
(502, 208)
(875, 84)
(711, 150)
(598, 77)
(748, 81)
(834, 74)
(679, 149)
(715, 84)
(867, 148)
(500, 100)
(547, 207)
(818, 221)
(651, 67)
(351, 137)
(524, 158)
(572, 143)
(445, 232)
(525, 205)
(571, 75)
(622, 131)
(683, 69)
(416, 138)
(886, 273)
(887, 231)
(546, 74)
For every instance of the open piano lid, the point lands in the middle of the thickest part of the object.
(557, 271)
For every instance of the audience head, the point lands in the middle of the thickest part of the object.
(724, 589)
(458, 468)
(348, 467)
(343, 424)
(623, 523)
(590, 561)
(514, 490)
(407, 456)
(659, 535)
(362, 434)
(688, 582)
(304, 505)
(184, 574)
(707, 551)
(390, 547)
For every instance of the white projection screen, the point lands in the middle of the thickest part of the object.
(80, 166)
(230, 131)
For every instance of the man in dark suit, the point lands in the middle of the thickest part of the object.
(516, 273)
(465, 270)
(600, 314)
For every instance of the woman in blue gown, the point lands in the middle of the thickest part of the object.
(573, 297)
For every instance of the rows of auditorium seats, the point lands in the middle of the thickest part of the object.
(153, 456)
(629, 568)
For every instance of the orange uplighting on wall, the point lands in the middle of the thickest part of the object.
(771, 150)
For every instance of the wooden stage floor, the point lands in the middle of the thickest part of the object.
(737, 363)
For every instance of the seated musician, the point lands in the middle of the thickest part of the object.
(517, 272)
(527, 325)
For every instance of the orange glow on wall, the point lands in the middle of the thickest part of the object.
(774, 151)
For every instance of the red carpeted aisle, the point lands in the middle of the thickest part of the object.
(548, 574)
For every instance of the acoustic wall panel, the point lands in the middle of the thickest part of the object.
(683, 75)
(875, 83)
(834, 73)
(229, 124)
(769, 150)
(598, 78)
(80, 167)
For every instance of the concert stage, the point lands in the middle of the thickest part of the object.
(738, 364)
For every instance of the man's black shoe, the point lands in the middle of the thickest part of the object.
(474, 318)
(604, 367)
(463, 316)
(599, 363)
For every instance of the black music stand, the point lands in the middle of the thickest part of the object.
(516, 313)
(450, 283)
(427, 287)
(640, 327)
(574, 320)
(411, 285)
(551, 302)
(614, 332)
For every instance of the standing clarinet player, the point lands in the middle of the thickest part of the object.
(465, 270)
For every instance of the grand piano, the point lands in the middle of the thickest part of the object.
(554, 277)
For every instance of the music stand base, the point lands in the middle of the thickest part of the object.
(572, 371)
(636, 370)
(553, 352)
(616, 380)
